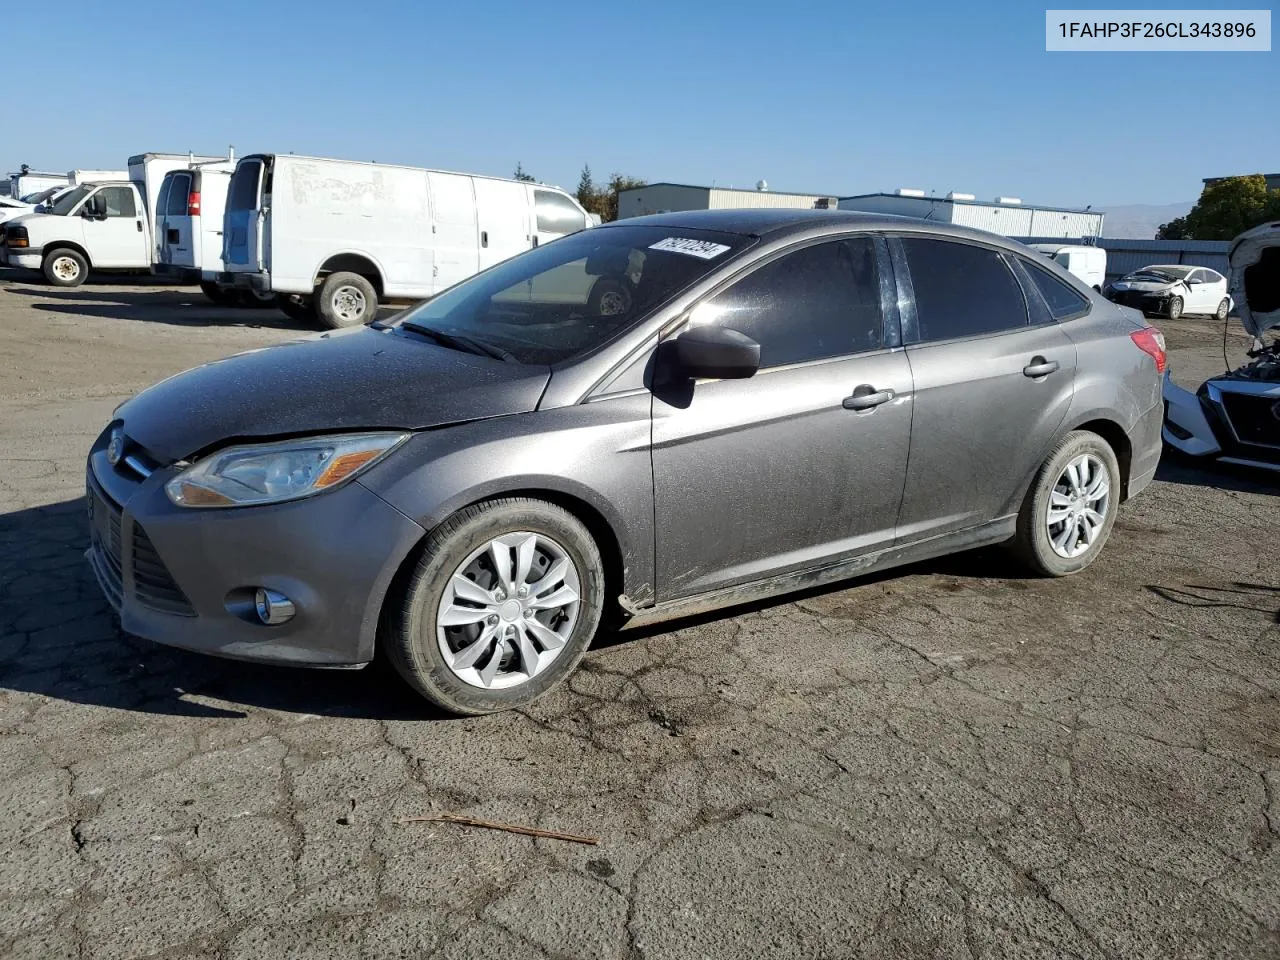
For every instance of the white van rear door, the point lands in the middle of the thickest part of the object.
(502, 211)
(244, 218)
(174, 228)
(456, 253)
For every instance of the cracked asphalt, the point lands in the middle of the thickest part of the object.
(948, 760)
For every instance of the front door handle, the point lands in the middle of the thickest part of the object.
(866, 397)
(1039, 367)
(139, 223)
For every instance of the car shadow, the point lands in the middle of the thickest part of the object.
(1181, 470)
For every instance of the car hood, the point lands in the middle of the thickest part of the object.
(1145, 286)
(359, 379)
(1255, 277)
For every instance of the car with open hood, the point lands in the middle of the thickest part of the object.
(660, 416)
(1172, 290)
(1235, 417)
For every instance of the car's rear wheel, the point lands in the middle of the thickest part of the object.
(1175, 308)
(1224, 308)
(500, 608)
(1069, 511)
(65, 268)
(345, 300)
(222, 296)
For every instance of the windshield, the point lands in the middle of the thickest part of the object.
(67, 202)
(1164, 274)
(44, 195)
(572, 295)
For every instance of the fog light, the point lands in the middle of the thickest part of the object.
(273, 608)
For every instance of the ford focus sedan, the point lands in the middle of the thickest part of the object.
(664, 415)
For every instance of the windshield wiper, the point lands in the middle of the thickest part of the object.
(466, 344)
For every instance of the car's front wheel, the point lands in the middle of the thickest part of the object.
(65, 268)
(1069, 511)
(500, 608)
(1175, 308)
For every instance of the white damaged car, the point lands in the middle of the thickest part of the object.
(1235, 417)
(1172, 291)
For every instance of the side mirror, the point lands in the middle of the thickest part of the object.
(715, 353)
(1191, 281)
(94, 209)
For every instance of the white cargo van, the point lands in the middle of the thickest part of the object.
(1087, 263)
(94, 226)
(188, 226)
(340, 236)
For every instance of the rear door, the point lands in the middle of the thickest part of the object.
(1204, 292)
(456, 253)
(174, 229)
(992, 388)
(116, 237)
(244, 230)
(502, 210)
(555, 215)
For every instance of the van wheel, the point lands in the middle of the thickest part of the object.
(302, 309)
(254, 300)
(1069, 511)
(219, 295)
(346, 300)
(65, 268)
(501, 607)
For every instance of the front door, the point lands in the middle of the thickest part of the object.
(803, 463)
(455, 236)
(115, 235)
(991, 388)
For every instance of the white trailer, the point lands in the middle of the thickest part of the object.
(335, 237)
(26, 182)
(77, 177)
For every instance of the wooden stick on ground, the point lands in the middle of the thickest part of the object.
(509, 828)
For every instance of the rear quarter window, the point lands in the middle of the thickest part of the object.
(1064, 303)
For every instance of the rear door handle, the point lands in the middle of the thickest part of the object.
(866, 397)
(139, 223)
(1039, 367)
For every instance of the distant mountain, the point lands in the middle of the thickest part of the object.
(1140, 221)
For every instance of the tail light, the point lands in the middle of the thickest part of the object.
(1151, 342)
(193, 203)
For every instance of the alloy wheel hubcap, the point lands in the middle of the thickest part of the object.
(348, 303)
(508, 610)
(1078, 506)
(611, 304)
(65, 268)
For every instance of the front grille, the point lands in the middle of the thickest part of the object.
(1253, 418)
(152, 583)
(104, 545)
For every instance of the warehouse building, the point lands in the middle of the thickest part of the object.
(669, 197)
(1004, 215)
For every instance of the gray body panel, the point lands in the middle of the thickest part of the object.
(728, 491)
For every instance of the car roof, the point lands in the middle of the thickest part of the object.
(774, 224)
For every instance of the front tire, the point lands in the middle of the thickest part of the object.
(500, 608)
(1069, 511)
(65, 268)
(345, 300)
(1175, 308)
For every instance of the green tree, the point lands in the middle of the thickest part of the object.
(617, 183)
(586, 193)
(1225, 210)
(521, 175)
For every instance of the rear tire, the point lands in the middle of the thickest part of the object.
(1224, 308)
(1051, 549)
(222, 296)
(1175, 308)
(464, 544)
(345, 299)
(65, 268)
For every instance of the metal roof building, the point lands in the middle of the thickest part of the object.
(1008, 216)
(670, 197)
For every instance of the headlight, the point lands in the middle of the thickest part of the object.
(273, 472)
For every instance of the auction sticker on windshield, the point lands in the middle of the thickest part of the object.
(702, 249)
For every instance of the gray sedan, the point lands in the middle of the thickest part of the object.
(656, 417)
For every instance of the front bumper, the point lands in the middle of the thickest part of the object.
(26, 259)
(185, 578)
(1221, 423)
(1153, 303)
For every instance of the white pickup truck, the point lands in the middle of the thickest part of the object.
(101, 225)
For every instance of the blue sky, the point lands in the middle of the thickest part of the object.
(824, 96)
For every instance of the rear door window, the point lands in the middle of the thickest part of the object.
(556, 213)
(179, 189)
(962, 290)
(243, 193)
(821, 301)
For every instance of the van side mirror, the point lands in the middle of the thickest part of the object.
(95, 208)
(714, 353)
